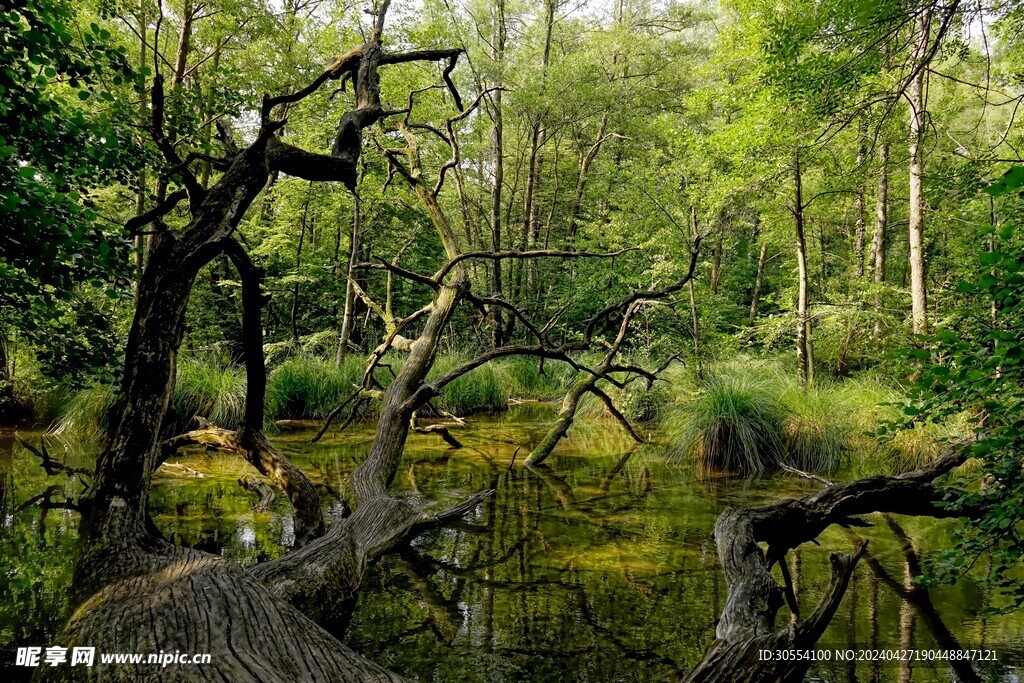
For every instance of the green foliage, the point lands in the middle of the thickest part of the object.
(307, 387)
(977, 370)
(641, 129)
(815, 428)
(734, 424)
(60, 264)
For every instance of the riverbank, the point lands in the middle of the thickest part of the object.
(598, 566)
(744, 415)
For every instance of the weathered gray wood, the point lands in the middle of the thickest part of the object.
(133, 592)
(747, 624)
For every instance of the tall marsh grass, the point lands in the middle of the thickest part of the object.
(745, 415)
(307, 387)
(84, 415)
(750, 416)
(207, 389)
(490, 387)
(211, 390)
(735, 423)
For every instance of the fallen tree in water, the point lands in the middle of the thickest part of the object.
(747, 624)
(135, 592)
(276, 621)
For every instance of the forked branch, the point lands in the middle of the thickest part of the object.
(748, 622)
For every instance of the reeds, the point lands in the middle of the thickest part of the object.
(750, 416)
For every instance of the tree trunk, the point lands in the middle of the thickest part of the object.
(298, 269)
(586, 159)
(755, 298)
(878, 236)
(497, 167)
(918, 116)
(531, 210)
(132, 591)
(859, 229)
(716, 258)
(747, 625)
(140, 193)
(694, 317)
(695, 331)
(804, 353)
(177, 76)
(564, 420)
(348, 316)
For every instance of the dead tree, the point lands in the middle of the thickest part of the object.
(132, 590)
(747, 624)
(451, 287)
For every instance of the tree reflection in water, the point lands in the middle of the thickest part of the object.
(598, 566)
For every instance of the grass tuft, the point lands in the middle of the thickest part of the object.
(84, 415)
(734, 424)
(212, 390)
(307, 387)
(815, 427)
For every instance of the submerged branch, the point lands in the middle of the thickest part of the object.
(748, 622)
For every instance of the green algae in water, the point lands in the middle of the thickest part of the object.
(597, 567)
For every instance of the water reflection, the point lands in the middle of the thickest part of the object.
(597, 567)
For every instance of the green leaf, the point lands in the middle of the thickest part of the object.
(1010, 181)
(989, 258)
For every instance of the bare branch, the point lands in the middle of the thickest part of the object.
(535, 253)
(135, 224)
(196, 193)
(381, 264)
(600, 318)
(439, 429)
(346, 63)
(610, 405)
(805, 475)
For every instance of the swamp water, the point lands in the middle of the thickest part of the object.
(598, 567)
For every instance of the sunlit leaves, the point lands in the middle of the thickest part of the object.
(977, 370)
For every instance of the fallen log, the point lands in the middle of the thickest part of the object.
(747, 624)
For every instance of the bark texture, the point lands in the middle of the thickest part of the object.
(135, 592)
(878, 234)
(748, 620)
(804, 349)
(918, 122)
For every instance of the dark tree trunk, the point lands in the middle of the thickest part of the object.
(133, 591)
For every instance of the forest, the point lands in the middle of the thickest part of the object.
(511, 340)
